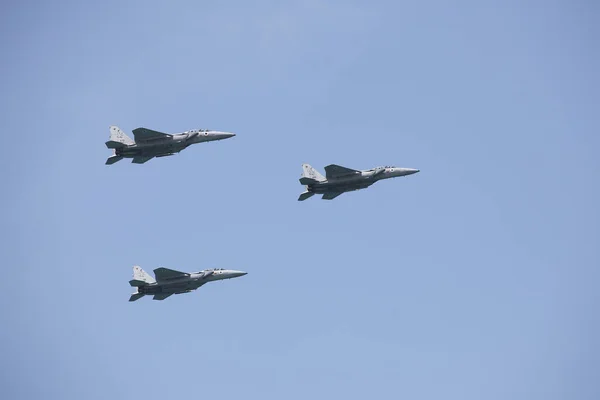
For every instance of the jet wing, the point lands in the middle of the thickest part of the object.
(161, 296)
(141, 159)
(164, 274)
(144, 135)
(331, 195)
(336, 171)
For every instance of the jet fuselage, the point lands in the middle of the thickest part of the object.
(188, 284)
(170, 144)
(359, 181)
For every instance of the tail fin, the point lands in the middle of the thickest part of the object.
(305, 195)
(140, 277)
(114, 158)
(310, 175)
(136, 296)
(118, 138)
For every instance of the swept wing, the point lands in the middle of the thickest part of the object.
(164, 274)
(336, 171)
(144, 135)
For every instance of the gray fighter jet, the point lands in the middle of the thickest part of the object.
(149, 144)
(338, 180)
(170, 282)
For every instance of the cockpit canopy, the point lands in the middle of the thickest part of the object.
(380, 168)
(198, 130)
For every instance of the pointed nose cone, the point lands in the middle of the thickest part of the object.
(227, 135)
(236, 274)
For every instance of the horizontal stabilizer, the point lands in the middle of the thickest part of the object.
(136, 296)
(137, 282)
(305, 195)
(113, 144)
(113, 159)
(308, 181)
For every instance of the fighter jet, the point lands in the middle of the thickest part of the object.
(338, 180)
(149, 144)
(170, 282)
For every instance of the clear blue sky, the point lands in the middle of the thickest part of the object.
(475, 279)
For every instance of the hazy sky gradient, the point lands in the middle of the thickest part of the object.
(475, 279)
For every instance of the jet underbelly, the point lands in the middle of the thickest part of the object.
(128, 151)
(153, 151)
(338, 186)
(180, 285)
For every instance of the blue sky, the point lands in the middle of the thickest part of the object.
(476, 278)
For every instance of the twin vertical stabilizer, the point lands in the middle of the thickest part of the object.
(140, 278)
(117, 140)
(310, 175)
